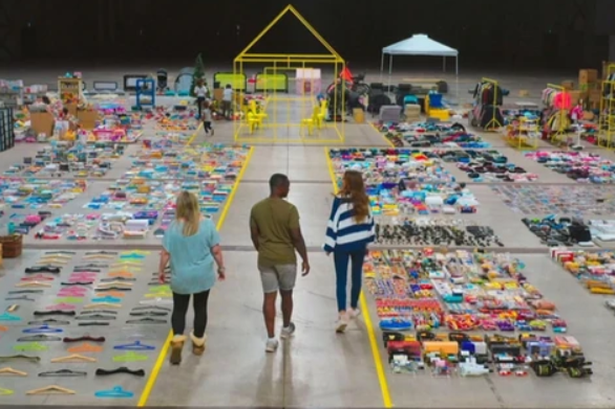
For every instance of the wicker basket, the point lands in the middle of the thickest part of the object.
(11, 245)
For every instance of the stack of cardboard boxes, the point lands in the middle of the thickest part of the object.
(588, 90)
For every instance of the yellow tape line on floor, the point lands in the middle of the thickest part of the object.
(382, 379)
(388, 141)
(151, 381)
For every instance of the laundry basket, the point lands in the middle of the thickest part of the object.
(11, 245)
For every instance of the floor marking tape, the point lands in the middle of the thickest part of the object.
(151, 381)
(388, 141)
(382, 379)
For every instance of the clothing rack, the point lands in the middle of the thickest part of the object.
(488, 98)
(557, 99)
(606, 120)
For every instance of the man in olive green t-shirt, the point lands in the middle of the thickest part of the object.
(276, 234)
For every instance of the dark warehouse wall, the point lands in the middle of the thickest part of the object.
(538, 33)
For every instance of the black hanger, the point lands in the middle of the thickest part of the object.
(151, 307)
(22, 298)
(84, 338)
(26, 292)
(112, 279)
(96, 317)
(62, 373)
(39, 337)
(49, 321)
(86, 269)
(43, 269)
(147, 320)
(81, 283)
(93, 324)
(120, 370)
(54, 312)
(149, 313)
(62, 252)
(20, 357)
(109, 253)
(111, 289)
(90, 312)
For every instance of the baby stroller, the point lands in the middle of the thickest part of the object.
(161, 79)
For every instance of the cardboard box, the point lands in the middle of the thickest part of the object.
(577, 95)
(568, 84)
(72, 109)
(42, 122)
(87, 118)
(594, 95)
(587, 76)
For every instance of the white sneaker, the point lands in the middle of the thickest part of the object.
(287, 332)
(342, 323)
(271, 345)
(354, 313)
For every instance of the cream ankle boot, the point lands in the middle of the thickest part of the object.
(198, 344)
(177, 344)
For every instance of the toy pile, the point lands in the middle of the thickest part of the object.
(79, 160)
(482, 166)
(405, 181)
(39, 194)
(568, 200)
(579, 166)
(424, 232)
(434, 308)
(557, 232)
(173, 120)
(426, 134)
(595, 270)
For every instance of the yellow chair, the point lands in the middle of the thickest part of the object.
(254, 121)
(254, 109)
(322, 113)
(310, 123)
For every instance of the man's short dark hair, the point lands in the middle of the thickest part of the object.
(277, 180)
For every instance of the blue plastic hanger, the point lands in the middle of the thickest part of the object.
(135, 346)
(107, 299)
(115, 392)
(43, 329)
(5, 316)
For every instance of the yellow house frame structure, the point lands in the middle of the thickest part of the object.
(272, 120)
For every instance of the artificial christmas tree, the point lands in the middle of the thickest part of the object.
(199, 73)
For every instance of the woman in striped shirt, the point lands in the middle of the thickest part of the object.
(349, 230)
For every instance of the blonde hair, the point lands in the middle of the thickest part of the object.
(187, 210)
(354, 189)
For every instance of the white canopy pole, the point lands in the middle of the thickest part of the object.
(444, 64)
(381, 65)
(457, 78)
(390, 70)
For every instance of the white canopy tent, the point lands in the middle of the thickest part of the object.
(419, 44)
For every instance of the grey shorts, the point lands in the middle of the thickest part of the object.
(278, 278)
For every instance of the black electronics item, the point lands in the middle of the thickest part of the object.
(404, 88)
(579, 232)
(64, 167)
(27, 161)
(377, 86)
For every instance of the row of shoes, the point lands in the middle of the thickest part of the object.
(414, 234)
(557, 232)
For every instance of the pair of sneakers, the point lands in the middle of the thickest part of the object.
(344, 318)
(272, 343)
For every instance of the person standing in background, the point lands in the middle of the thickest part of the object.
(207, 118)
(201, 93)
(349, 231)
(227, 101)
(276, 234)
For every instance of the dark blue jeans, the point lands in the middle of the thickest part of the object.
(341, 259)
